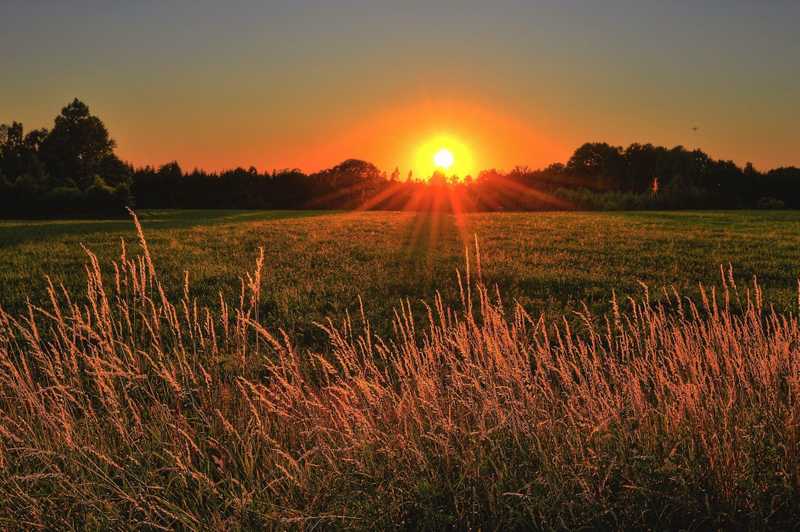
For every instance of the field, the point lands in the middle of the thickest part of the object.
(473, 389)
(317, 264)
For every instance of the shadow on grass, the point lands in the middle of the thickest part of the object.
(712, 218)
(14, 232)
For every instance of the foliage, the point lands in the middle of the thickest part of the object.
(770, 203)
(71, 169)
(597, 176)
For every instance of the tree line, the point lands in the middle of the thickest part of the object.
(72, 169)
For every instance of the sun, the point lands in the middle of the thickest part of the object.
(443, 153)
(443, 158)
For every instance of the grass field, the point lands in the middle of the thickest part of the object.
(129, 404)
(317, 264)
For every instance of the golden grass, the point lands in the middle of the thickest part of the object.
(128, 410)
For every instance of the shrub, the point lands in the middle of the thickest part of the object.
(768, 202)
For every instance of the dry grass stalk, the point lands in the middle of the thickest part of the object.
(128, 410)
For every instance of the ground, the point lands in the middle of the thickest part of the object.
(144, 414)
(317, 264)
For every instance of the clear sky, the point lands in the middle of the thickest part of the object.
(306, 84)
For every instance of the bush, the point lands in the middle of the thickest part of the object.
(103, 198)
(769, 202)
(66, 197)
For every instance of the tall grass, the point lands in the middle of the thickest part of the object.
(126, 409)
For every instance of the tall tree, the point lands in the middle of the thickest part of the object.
(79, 148)
(603, 163)
(19, 153)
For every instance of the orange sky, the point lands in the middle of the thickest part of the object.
(407, 137)
(309, 83)
(399, 135)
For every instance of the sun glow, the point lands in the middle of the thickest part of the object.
(443, 159)
(443, 153)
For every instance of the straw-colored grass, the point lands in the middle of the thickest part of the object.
(132, 410)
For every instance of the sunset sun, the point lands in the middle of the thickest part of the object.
(446, 153)
(443, 159)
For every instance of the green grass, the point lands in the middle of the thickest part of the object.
(143, 410)
(319, 263)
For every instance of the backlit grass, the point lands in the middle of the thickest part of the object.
(129, 407)
(317, 264)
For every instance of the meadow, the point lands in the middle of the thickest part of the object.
(318, 264)
(382, 370)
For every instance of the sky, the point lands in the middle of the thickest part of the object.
(306, 84)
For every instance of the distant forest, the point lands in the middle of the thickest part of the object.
(72, 170)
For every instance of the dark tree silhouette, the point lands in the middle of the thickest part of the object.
(73, 170)
(70, 169)
(77, 146)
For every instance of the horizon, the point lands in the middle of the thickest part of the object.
(423, 178)
(293, 86)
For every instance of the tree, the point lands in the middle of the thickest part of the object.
(70, 169)
(18, 152)
(642, 167)
(437, 179)
(170, 171)
(603, 163)
(353, 169)
(80, 148)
